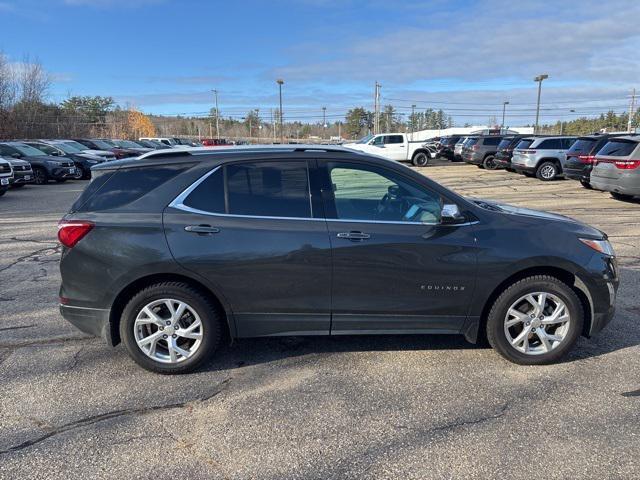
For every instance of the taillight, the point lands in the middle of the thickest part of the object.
(71, 232)
(627, 164)
(475, 147)
(526, 150)
(587, 159)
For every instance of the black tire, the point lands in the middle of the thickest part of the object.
(3, 191)
(489, 163)
(17, 185)
(420, 159)
(539, 283)
(206, 309)
(80, 173)
(547, 171)
(586, 185)
(40, 176)
(621, 196)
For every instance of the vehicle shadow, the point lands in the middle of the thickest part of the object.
(621, 333)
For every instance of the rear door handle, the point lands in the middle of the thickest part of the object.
(354, 236)
(202, 229)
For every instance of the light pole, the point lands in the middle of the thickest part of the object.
(539, 79)
(215, 92)
(280, 82)
(504, 108)
(324, 121)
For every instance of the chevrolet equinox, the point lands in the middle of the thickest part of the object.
(172, 252)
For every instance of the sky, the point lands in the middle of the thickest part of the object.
(466, 57)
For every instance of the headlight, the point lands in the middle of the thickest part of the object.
(602, 246)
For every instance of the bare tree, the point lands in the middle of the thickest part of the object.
(7, 84)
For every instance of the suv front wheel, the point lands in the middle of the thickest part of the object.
(535, 321)
(170, 328)
(547, 171)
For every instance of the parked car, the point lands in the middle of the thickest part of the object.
(457, 149)
(348, 244)
(186, 142)
(130, 145)
(101, 144)
(446, 146)
(107, 155)
(502, 158)
(6, 176)
(215, 142)
(169, 142)
(617, 168)
(541, 156)
(22, 172)
(581, 157)
(154, 144)
(395, 146)
(481, 151)
(45, 167)
(82, 162)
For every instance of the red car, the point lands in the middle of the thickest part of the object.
(215, 142)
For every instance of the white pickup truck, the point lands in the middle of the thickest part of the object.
(395, 146)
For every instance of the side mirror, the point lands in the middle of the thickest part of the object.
(450, 214)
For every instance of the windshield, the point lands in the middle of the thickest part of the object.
(504, 143)
(102, 145)
(583, 145)
(524, 143)
(365, 139)
(27, 151)
(618, 148)
(68, 147)
(74, 144)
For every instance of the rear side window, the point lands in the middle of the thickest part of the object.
(618, 148)
(124, 186)
(583, 145)
(271, 189)
(394, 139)
(492, 141)
(550, 144)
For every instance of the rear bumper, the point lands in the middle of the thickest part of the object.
(626, 185)
(472, 159)
(522, 168)
(94, 321)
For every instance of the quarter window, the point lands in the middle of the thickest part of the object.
(373, 194)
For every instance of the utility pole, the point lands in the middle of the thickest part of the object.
(280, 82)
(215, 92)
(376, 108)
(539, 79)
(631, 111)
(413, 119)
(258, 120)
(504, 108)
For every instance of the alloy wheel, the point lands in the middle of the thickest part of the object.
(168, 331)
(537, 323)
(548, 172)
(39, 176)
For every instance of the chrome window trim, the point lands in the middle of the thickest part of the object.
(178, 203)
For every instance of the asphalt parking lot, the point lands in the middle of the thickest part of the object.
(362, 407)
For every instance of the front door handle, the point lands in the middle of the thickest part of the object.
(354, 236)
(201, 229)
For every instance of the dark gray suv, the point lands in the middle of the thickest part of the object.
(174, 251)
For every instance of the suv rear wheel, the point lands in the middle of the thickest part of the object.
(170, 328)
(547, 171)
(489, 163)
(535, 321)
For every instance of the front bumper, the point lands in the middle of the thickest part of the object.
(94, 321)
(62, 172)
(23, 176)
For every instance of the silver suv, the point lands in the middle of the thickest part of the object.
(541, 156)
(617, 168)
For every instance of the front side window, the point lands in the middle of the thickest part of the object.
(373, 194)
(378, 141)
